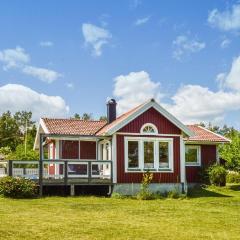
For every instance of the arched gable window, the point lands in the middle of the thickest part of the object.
(149, 128)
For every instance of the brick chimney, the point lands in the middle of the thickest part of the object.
(111, 110)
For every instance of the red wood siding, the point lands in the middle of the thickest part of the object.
(151, 116)
(87, 150)
(70, 149)
(208, 157)
(123, 177)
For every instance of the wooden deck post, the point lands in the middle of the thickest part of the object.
(10, 168)
(65, 173)
(41, 166)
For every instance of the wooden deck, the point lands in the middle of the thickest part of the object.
(60, 172)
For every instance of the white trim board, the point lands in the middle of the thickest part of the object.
(143, 109)
(156, 167)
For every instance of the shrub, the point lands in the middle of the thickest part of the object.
(233, 177)
(145, 193)
(173, 194)
(17, 187)
(118, 195)
(217, 175)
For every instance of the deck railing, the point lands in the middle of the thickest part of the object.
(64, 172)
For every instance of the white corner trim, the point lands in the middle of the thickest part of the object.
(114, 158)
(144, 108)
(182, 161)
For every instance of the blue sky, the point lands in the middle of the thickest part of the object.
(62, 57)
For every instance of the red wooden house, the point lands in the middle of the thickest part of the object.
(116, 152)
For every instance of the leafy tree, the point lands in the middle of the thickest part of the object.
(103, 118)
(10, 135)
(76, 116)
(20, 153)
(230, 152)
(87, 116)
(24, 119)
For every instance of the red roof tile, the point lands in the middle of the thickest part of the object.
(118, 120)
(73, 126)
(204, 135)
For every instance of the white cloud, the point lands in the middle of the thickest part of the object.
(69, 85)
(184, 46)
(133, 89)
(141, 21)
(231, 80)
(46, 44)
(44, 74)
(96, 37)
(190, 103)
(225, 43)
(12, 58)
(194, 103)
(17, 58)
(15, 97)
(228, 20)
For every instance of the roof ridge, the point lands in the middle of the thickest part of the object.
(73, 119)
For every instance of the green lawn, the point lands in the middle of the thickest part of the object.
(213, 215)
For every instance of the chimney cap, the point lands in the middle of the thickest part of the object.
(111, 101)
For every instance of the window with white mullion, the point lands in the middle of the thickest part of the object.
(143, 154)
(149, 154)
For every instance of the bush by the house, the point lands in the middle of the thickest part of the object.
(217, 175)
(145, 193)
(233, 177)
(17, 187)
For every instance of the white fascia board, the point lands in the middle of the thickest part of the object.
(144, 108)
(41, 129)
(218, 135)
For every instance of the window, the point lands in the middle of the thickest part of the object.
(143, 153)
(192, 155)
(163, 155)
(133, 154)
(148, 154)
(149, 128)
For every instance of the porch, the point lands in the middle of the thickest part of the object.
(84, 172)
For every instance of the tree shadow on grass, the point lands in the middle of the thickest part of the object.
(235, 187)
(201, 191)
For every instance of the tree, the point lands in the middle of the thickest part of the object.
(20, 153)
(87, 116)
(103, 118)
(10, 134)
(230, 152)
(76, 116)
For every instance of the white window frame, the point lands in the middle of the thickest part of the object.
(198, 163)
(141, 141)
(149, 125)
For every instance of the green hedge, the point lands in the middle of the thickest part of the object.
(17, 187)
(217, 175)
(233, 177)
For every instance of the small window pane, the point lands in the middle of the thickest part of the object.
(133, 154)
(148, 154)
(163, 155)
(191, 155)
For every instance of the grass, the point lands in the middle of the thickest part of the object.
(212, 213)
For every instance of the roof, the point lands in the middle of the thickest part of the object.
(195, 133)
(202, 134)
(72, 126)
(119, 119)
(135, 112)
